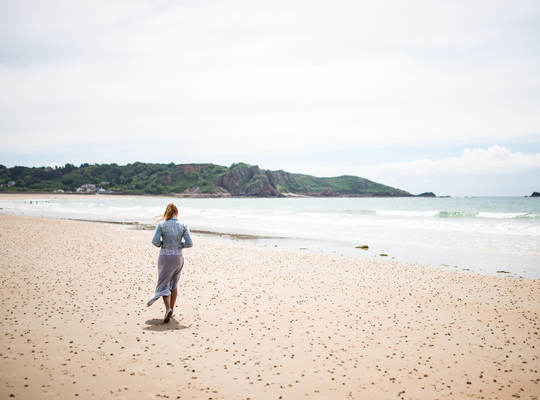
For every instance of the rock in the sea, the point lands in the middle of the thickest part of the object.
(535, 194)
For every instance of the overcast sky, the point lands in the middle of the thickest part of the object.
(439, 96)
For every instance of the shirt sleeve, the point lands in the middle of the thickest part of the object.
(187, 239)
(156, 241)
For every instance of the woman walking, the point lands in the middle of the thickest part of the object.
(172, 236)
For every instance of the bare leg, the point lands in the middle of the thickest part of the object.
(174, 294)
(168, 311)
(167, 301)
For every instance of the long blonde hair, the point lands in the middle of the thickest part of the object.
(169, 212)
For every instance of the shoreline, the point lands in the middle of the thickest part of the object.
(67, 196)
(499, 261)
(70, 196)
(252, 322)
(219, 196)
(297, 244)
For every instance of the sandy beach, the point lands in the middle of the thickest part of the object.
(252, 323)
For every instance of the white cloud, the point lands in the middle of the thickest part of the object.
(484, 171)
(485, 161)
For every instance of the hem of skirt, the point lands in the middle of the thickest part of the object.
(156, 297)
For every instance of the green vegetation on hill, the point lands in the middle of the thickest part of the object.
(188, 179)
(345, 184)
(136, 178)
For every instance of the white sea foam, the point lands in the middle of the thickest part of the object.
(409, 214)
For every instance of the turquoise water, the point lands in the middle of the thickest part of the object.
(482, 235)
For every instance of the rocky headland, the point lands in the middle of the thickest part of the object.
(189, 180)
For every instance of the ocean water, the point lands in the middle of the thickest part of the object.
(492, 236)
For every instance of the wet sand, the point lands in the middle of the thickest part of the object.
(252, 323)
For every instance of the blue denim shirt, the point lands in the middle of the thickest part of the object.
(169, 235)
